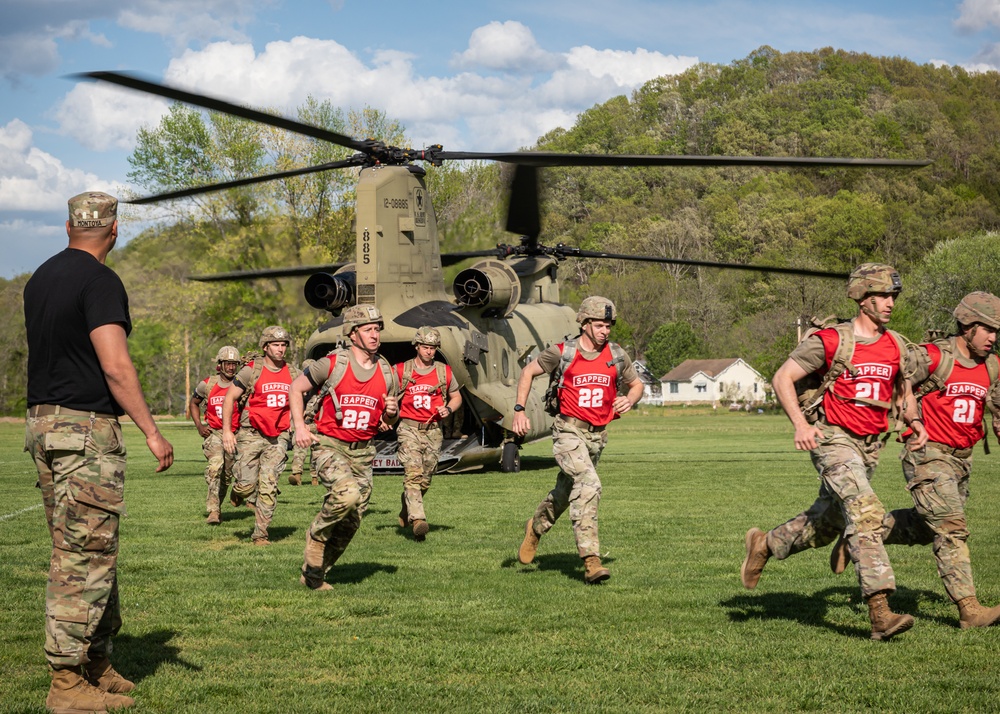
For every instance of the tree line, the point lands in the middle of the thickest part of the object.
(937, 225)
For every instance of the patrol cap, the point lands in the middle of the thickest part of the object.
(870, 278)
(596, 307)
(357, 315)
(92, 209)
(427, 336)
(979, 307)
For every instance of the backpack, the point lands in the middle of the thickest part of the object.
(339, 359)
(557, 377)
(442, 377)
(811, 389)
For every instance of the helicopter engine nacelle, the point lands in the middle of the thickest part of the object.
(330, 292)
(491, 284)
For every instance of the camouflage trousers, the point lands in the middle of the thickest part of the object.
(259, 462)
(219, 472)
(81, 472)
(578, 486)
(846, 503)
(938, 481)
(299, 455)
(347, 476)
(418, 451)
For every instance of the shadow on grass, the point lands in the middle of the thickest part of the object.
(566, 563)
(354, 573)
(274, 533)
(812, 609)
(407, 532)
(140, 657)
(236, 515)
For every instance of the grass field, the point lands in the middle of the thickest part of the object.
(456, 624)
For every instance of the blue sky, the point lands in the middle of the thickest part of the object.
(473, 76)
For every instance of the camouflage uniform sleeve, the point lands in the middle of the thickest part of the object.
(629, 374)
(201, 391)
(548, 360)
(810, 354)
(243, 377)
(318, 371)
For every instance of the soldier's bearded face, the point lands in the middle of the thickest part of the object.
(229, 368)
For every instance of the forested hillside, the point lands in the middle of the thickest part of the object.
(935, 224)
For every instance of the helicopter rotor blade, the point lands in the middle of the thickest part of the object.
(522, 209)
(267, 273)
(133, 81)
(566, 251)
(249, 181)
(552, 158)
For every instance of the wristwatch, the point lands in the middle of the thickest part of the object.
(519, 407)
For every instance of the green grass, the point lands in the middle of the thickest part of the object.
(457, 624)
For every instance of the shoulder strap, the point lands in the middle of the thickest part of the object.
(442, 377)
(839, 363)
(338, 368)
(391, 387)
(408, 367)
(618, 360)
(258, 367)
(936, 380)
(212, 382)
(568, 353)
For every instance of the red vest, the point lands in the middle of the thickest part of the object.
(361, 404)
(955, 416)
(213, 408)
(589, 388)
(268, 405)
(877, 365)
(422, 397)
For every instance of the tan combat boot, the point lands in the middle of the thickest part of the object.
(886, 623)
(295, 479)
(839, 556)
(420, 529)
(313, 568)
(756, 557)
(71, 693)
(214, 518)
(403, 515)
(596, 573)
(315, 480)
(973, 614)
(102, 675)
(529, 546)
(261, 541)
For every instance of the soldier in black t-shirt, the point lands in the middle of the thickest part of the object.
(80, 380)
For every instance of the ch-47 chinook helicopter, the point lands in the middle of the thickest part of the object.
(503, 309)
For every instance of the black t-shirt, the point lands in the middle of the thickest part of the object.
(70, 295)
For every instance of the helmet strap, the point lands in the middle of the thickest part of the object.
(870, 310)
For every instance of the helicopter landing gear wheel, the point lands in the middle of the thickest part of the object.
(510, 459)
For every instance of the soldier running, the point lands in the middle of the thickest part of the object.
(954, 379)
(212, 392)
(588, 371)
(359, 389)
(428, 395)
(844, 441)
(262, 445)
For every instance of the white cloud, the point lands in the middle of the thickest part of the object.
(33, 180)
(101, 116)
(187, 21)
(977, 15)
(507, 46)
(627, 69)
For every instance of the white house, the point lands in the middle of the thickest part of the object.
(652, 389)
(714, 380)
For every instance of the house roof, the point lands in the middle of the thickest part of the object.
(690, 367)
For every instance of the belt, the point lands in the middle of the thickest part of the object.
(422, 425)
(352, 445)
(581, 424)
(953, 450)
(867, 439)
(42, 410)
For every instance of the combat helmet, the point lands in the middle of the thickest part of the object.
(274, 333)
(357, 315)
(426, 336)
(228, 354)
(870, 278)
(979, 307)
(596, 307)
